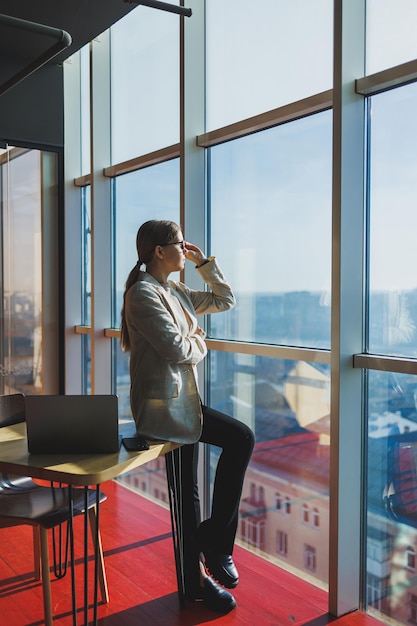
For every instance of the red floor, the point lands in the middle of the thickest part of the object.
(140, 570)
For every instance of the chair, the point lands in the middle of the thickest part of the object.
(24, 502)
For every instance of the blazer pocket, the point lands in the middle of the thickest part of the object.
(161, 389)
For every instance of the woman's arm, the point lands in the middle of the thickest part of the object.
(219, 298)
(149, 318)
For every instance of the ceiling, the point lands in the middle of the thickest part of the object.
(24, 45)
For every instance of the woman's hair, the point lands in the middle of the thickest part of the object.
(151, 234)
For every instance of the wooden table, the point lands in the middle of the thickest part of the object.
(81, 470)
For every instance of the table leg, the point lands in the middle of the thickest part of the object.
(46, 576)
(96, 540)
(173, 470)
(96, 554)
(85, 555)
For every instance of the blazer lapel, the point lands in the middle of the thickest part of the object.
(189, 312)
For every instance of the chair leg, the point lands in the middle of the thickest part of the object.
(37, 552)
(102, 580)
(46, 577)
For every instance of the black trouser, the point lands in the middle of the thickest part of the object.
(217, 533)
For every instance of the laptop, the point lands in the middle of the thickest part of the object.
(73, 424)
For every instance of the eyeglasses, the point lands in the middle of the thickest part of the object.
(181, 244)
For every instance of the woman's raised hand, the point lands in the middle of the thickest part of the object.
(194, 254)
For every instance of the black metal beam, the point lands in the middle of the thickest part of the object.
(63, 40)
(163, 6)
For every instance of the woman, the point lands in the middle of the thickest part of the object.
(159, 327)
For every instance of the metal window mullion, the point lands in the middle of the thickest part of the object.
(82, 181)
(145, 160)
(287, 113)
(270, 350)
(73, 253)
(385, 363)
(192, 165)
(347, 420)
(101, 284)
(387, 79)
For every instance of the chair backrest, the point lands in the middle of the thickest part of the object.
(12, 409)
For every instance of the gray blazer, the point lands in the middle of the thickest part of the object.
(166, 344)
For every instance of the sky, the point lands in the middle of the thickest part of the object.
(270, 193)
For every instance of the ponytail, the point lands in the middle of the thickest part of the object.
(152, 233)
(124, 332)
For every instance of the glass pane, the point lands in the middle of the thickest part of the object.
(270, 195)
(86, 256)
(85, 110)
(86, 360)
(86, 286)
(260, 56)
(150, 193)
(284, 510)
(21, 333)
(145, 83)
(393, 223)
(390, 33)
(392, 496)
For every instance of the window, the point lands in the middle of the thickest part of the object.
(278, 502)
(283, 504)
(253, 532)
(282, 543)
(410, 558)
(147, 194)
(379, 546)
(269, 192)
(305, 514)
(145, 83)
(393, 254)
(309, 558)
(279, 272)
(376, 589)
(283, 401)
(392, 321)
(257, 495)
(287, 506)
(390, 34)
(278, 31)
(29, 319)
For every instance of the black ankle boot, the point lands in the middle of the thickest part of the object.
(213, 596)
(222, 568)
